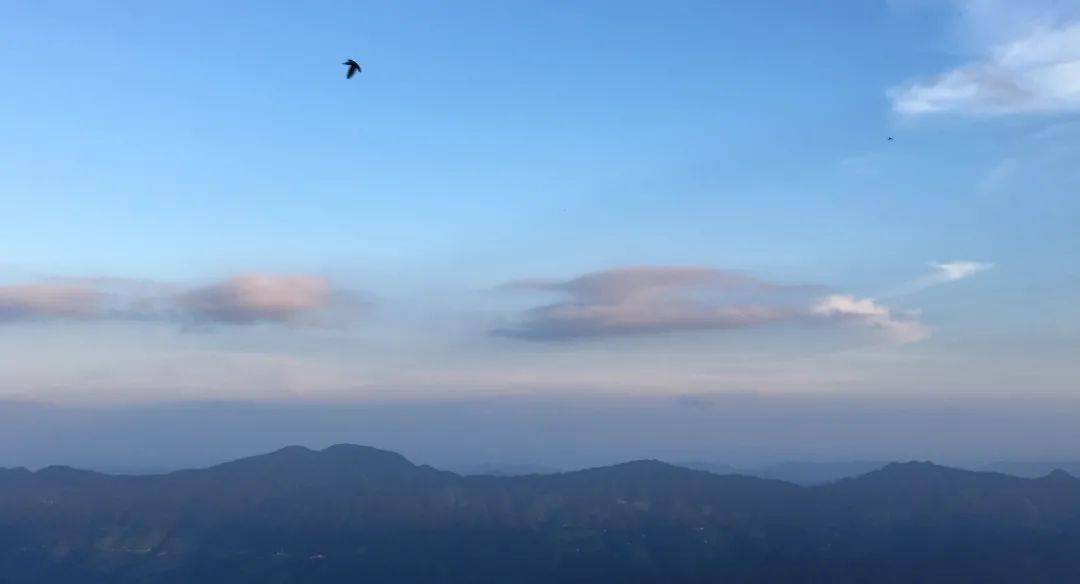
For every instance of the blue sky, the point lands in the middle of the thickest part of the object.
(615, 197)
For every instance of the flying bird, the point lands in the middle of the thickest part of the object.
(354, 68)
(890, 139)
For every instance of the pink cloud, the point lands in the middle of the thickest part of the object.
(663, 299)
(641, 300)
(258, 298)
(244, 299)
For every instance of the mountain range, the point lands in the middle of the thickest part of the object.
(353, 513)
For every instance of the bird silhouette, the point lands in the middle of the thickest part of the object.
(890, 139)
(354, 68)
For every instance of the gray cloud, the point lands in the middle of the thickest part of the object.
(626, 284)
(244, 299)
(255, 298)
(50, 300)
(644, 300)
(653, 300)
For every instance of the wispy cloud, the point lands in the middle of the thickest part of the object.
(1030, 63)
(865, 311)
(947, 272)
(664, 299)
(243, 299)
(958, 270)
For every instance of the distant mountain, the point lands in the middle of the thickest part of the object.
(800, 473)
(818, 473)
(1032, 469)
(502, 469)
(353, 513)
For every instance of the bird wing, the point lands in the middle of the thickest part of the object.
(352, 71)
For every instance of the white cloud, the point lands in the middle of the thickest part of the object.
(953, 271)
(947, 272)
(1030, 66)
(867, 312)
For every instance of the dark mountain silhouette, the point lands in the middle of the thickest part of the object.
(352, 513)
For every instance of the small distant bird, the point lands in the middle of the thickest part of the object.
(354, 68)
(890, 137)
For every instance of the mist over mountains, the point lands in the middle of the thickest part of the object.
(353, 513)
(554, 431)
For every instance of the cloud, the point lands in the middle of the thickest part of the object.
(867, 312)
(656, 300)
(244, 299)
(46, 301)
(1030, 64)
(944, 273)
(257, 298)
(641, 300)
(953, 271)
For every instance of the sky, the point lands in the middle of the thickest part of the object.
(539, 207)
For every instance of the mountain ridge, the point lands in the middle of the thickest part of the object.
(348, 511)
(712, 468)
